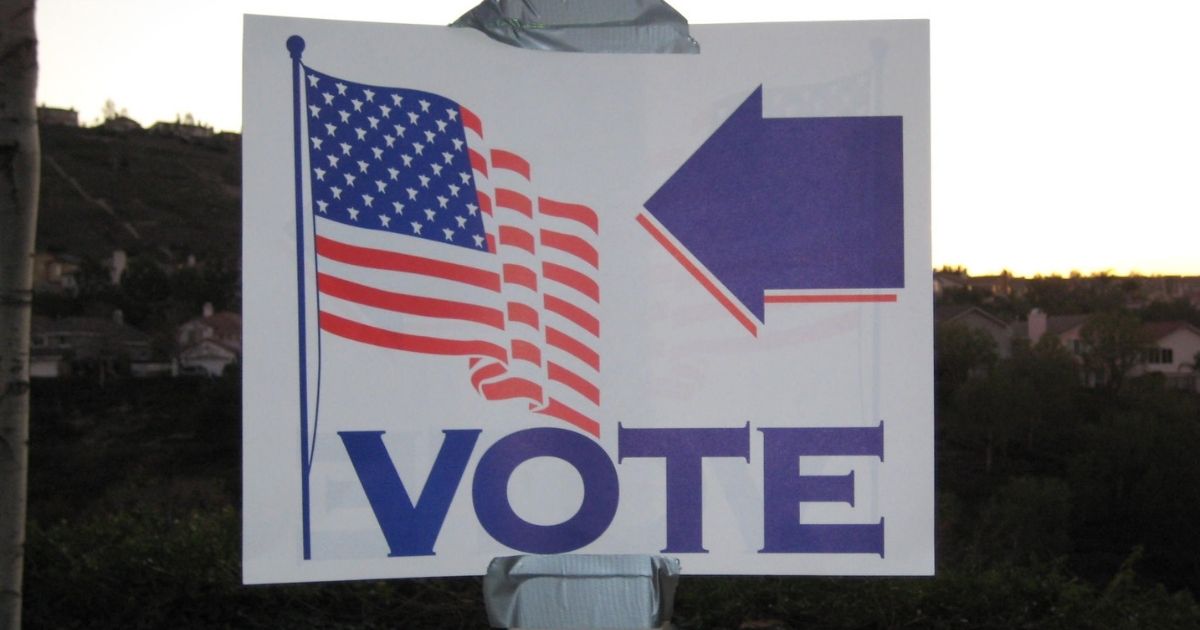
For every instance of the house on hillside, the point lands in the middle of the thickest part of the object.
(56, 273)
(1068, 329)
(121, 124)
(949, 281)
(1172, 347)
(210, 343)
(977, 318)
(1173, 351)
(185, 130)
(57, 117)
(93, 347)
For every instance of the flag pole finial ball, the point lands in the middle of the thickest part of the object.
(295, 45)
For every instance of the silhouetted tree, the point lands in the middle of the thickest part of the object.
(110, 111)
(1173, 310)
(1051, 377)
(960, 352)
(1113, 343)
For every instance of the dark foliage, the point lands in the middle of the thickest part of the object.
(1174, 310)
(1033, 468)
(141, 568)
(150, 297)
(1058, 507)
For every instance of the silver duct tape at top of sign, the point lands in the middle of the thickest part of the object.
(591, 26)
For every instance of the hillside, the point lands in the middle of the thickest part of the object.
(158, 197)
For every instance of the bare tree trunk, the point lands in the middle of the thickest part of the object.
(19, 173)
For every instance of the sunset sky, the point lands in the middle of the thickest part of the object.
(1066, 135)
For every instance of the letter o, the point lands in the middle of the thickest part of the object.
(601, 491)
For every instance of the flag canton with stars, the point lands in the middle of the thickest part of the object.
(391, 159)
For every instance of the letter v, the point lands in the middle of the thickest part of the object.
(410, 530)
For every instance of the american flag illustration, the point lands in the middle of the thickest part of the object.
(428, 241)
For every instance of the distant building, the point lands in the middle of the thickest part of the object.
(1003, 285)
(1173, 351)
(955, 280)
(55, 273)
(210, 343)
(1169, 288)
(1139, 291)
(1172, 347)
(1067, 328)
(121, 124)
(57, 117)
(948, 281)
(187, 131)
(976, 318)
(89, 347)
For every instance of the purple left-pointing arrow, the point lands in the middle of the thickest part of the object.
(791, 203)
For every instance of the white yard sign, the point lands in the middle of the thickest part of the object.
(501, 301)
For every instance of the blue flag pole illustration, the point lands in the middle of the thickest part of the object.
(295, 46)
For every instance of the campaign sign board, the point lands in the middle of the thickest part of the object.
(501, 301)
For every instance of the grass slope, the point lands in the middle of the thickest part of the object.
(145, 193)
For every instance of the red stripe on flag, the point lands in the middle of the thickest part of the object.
(478, 162)
(560, 374)
(394, 261)
(578, 316)
(573, 211)
(523, 276)
(699, 275)
(523, 314)
(485, 202)
(491, 370)
(491, 243)
(510, 161)
(371, 335)
(572, 346)
(510, 388)
(558, 410)
(572, 245)
(410, 304)
(516, 237)
(828, 299)
(514, 200)
(525, 351)
(471, 121)
(572, 278)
